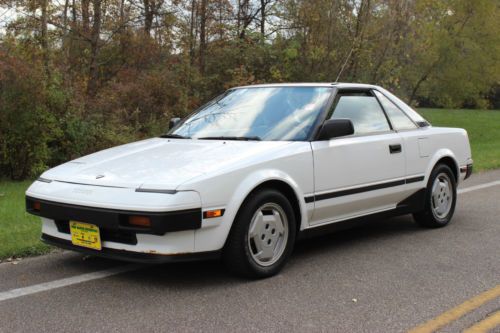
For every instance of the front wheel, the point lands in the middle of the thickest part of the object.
(262, 236)
(440, 198)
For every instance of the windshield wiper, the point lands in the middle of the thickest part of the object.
(237, 138)
(174, 136)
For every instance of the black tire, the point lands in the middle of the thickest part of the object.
(428, 217)
(237, 255)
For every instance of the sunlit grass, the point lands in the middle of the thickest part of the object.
(483, 127)
(19, 231)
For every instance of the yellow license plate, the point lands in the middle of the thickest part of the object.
(85, 234)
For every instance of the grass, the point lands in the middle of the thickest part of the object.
(483, 127)
(20, 232)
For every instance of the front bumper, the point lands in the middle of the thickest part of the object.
(170, 234)
(175, 217)
(139, 257)
(113, 219)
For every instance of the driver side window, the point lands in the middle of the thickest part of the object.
(364, 111)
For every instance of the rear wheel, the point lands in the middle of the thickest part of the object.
(440, 198)
(262, 236)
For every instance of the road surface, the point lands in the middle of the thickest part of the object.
(387, 276)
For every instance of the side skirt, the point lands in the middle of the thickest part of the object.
(414, 203)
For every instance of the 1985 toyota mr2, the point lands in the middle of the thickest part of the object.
(246, 174)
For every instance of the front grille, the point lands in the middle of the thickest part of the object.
(117, 236)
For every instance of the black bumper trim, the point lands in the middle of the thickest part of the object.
(112, 219)
(467, 170)
(138, 257)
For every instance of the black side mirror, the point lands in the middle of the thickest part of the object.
(173, 122)
(333, 128)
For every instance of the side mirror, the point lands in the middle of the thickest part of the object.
(333, 128)
(173, 122)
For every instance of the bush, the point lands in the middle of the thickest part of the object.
(26, 125)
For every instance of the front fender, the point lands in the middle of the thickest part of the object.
(214, 232)
(258, 178)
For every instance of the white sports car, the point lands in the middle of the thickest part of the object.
(248, 173)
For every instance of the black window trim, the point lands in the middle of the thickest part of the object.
(316, 127)
(327, 113)
(417, 126)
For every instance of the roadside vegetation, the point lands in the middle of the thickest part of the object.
(20, 232)
(80, 76)
(483, 127)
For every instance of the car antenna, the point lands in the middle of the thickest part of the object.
(345, 63)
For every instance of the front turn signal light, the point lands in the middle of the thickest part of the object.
(139, 221)
(213, 213)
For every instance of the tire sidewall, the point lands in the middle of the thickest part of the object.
(244, 219)
(441, 168)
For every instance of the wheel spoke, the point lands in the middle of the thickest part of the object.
(279, 223)
(256, 227)
(267, 252)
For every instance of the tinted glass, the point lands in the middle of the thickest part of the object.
(365, 113)
(399, 120)
(269, 113)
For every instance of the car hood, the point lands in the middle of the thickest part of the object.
(165, 163)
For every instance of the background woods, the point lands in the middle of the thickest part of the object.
(81, 75)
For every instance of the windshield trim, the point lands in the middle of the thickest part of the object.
(323, 115)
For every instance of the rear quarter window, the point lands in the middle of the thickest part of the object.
(399, 120)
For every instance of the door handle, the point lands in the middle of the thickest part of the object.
(395, 149)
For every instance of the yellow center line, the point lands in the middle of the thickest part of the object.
(485, 325)
(457, 312)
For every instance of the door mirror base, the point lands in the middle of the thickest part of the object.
(173, 122)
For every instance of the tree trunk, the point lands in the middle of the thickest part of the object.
(85, 17)
(263, 4)
(44, 38)
(148, 15)
(243, 18)
(361, 22)
(73, 13)
(203, 34)
(65, 15)
(192, 36)
(94, 49)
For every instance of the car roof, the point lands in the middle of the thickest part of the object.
(415, 116)
(340, 85)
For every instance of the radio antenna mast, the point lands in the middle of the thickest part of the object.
(345, 63)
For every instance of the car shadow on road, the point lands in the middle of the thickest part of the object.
(201, 274)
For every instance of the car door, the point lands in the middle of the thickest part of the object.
(362, 173)
(416, 141)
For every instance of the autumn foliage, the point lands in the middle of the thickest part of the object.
(77, 76)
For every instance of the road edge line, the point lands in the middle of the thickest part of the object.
(45, 286)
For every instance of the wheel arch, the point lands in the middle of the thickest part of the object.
(446, 157)
(273, 179)
(449, 161)
(287, 190)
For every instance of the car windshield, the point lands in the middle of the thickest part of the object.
(257, 113)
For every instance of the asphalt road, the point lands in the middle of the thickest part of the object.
(387, 276)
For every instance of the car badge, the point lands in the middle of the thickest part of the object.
(99, 176)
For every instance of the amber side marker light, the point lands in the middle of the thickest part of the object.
(213, 213)
(139, 221)
(36, 205)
